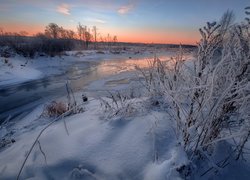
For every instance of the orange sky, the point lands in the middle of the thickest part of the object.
(159, 37)
(123, 35)
(161, 21)
(31, 29)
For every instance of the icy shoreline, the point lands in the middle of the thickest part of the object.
(18, 69)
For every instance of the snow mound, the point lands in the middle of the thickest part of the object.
(167, 168)
(13, 70)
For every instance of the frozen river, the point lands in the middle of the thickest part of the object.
(17, 100)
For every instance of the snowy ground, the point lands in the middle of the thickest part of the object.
(138, 146)
(137, 141)
(98, 146)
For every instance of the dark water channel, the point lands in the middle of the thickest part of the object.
(17, 99)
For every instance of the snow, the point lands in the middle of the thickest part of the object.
(140, 145)
(18, 69)
(137, 144)
(111, 83)
(15, 71)
(97, 148)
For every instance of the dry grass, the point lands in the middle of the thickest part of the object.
(79, 54)
(55, 109)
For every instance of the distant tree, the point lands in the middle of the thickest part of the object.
(84, 34)
(108, 41)
(62, 33)
(40, 35)
(70, 34)
(52, 30)
(1, 31)
(95, 34)
(88, 38)
(115, 40)
(81, 31)
(23, 33)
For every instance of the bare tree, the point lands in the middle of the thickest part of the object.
(1, 31)
(95, 34)
(23, 33)
(81, 30)
(84, 34)
(52, 31)
(70, 34)
(114, 40)
(88, 37)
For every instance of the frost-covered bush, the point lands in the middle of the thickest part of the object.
(120, 104)
(209, 100)
(219, 99)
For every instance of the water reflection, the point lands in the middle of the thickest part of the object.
(112, 67)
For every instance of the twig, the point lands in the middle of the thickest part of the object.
(39, 135)
(65, 126)
(40, 148)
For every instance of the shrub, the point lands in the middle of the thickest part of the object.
(31, 46)
(119, 104)
(55, 109)
(210, 99)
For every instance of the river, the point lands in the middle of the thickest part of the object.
(17, 100)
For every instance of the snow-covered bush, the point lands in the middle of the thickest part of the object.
(119, 104)
(209, 100)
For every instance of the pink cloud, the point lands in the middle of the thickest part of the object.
(125, 9)
(63, 9)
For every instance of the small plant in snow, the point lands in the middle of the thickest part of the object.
(55, 109)
(117, 104)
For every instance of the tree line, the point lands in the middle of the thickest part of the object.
(84, 33)
(55, 39)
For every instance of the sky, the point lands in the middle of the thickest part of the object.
(148, 21)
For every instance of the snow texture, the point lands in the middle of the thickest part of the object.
(138, 147)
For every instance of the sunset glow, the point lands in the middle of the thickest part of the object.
(173, 21)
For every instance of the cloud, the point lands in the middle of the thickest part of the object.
(125, 9)
(63, 9)
(99, 21)
(95, 20)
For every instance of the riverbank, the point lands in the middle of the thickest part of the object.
(18, 69)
